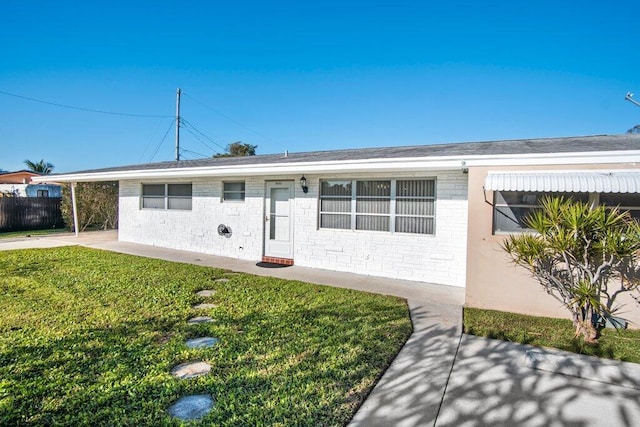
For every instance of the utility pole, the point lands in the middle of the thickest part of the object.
(178, 124)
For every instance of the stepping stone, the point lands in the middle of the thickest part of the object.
(206, 293)
(192, 407)
(202, 342)
(199, 319)
(204, 306)
(190, 370)
(222, 280)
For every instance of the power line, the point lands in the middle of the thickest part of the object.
(204, 156)
(184, 155)
(228, 118)
(155, 133)
(163, 138)
(191, 125)
(90, 110)
(213, 138)
(198, 139)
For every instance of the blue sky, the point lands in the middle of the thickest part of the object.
(303, 76)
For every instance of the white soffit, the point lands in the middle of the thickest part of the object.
(593, 181)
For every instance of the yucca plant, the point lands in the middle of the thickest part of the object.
(584, 256)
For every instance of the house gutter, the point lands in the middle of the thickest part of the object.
(405, 164)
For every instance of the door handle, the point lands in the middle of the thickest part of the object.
(266, 218)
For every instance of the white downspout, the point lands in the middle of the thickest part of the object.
(75, 207)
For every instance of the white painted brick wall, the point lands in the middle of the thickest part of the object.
(196, 230)
(438, 259)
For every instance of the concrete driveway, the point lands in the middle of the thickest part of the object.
(442, 377)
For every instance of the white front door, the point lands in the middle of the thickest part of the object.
(278, 228)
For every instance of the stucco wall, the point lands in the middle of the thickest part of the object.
(492, 281)
(438, 259)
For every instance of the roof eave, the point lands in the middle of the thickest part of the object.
(405, 164)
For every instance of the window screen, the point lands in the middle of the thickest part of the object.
(167, 196)
(233, 191)
(403, 206)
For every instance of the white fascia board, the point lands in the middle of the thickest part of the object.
(410, 164)
(267, 169)
(553, 159)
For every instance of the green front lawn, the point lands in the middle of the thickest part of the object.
(549, 332)
(88, 337)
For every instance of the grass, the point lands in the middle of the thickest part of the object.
(88, 338)
(549, 332)
(14, 234)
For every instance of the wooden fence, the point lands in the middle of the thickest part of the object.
(30, 213)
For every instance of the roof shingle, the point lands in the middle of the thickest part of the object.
(507, 147)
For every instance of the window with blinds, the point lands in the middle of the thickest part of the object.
(397, 206)
(166, 196)
(415, 206)
(335, 204)
(373, 205)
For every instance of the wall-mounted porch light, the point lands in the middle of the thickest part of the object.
(303, 184)
(465, 169)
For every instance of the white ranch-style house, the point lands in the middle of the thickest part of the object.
(429, 213)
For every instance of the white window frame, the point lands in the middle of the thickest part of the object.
(165, 196)
(243, 192)
(393, 197)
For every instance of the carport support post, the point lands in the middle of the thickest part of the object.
(75, 207)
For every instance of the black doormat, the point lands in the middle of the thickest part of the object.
(271, 265)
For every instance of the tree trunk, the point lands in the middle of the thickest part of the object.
(585, 327)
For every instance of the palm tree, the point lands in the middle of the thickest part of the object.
(42, 167)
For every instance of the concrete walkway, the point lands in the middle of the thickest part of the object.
(495, 383)
(491, 382)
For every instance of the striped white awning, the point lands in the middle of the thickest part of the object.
(593, 181)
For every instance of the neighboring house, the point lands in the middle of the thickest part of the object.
(18, 177)
(29, 206)
(30, 190)
(433, 213)
(43, 190)
(14, 184)
(18, 184)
